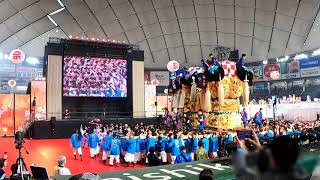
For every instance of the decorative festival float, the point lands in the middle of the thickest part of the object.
(215, 87)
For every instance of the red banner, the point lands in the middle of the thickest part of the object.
(38, 100)
(6, 114)
(22, 111)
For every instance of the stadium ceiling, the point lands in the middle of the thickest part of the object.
(182, 30)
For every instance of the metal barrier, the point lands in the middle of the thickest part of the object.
(88, 115)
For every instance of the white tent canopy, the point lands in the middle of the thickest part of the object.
(181, 30)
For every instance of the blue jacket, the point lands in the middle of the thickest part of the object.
(124, 145)
(181, 142)
(173, 146)
(296, 132)
(115, 147)
(138, 144)
(76, 140)
(170, 145)
(176, 148)
(164, 142)
(258, 116)
(289, 133)
(131, 144)
(183, 157)
(205, 142)
(151, 142)
(93, 140)
(142, 144)
(214, 144)
(187, 144)
(195, 145)
(230, 138)
(240, 63)
(106, 144)
(261, 135)
(270, 134)
(244, 116)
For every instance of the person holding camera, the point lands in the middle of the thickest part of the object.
(2, 173)
(276, 161)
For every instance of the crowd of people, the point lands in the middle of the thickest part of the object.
(89, 76)
(172, 142)
(117, 144)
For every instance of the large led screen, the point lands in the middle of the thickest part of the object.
(94, 77)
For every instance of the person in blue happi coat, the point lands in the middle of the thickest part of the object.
(194, 145)
(115, 150)
(205, 142)
(76, 141)
(214, 145)
(131, 149)
(93, 141)
(183, 156)
(106, 145)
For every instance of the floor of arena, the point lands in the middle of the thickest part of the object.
(45, 152)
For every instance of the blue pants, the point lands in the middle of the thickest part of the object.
(189, 127)
(245, 123)
(258, 123)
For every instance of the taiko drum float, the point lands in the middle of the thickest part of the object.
(216, 88)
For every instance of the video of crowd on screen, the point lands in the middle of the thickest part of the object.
(94, 77)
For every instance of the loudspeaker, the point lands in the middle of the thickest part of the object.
(53, 122)
(156, 103)
(53, 126)
(234, 55)
(39, 172)
(29, 88)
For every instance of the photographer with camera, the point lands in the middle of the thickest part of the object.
(276, 161)
(2, 173)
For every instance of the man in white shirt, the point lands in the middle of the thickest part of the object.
(61, 169)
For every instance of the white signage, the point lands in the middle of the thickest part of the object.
(161, 76)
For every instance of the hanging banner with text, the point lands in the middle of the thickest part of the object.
(310, 67)
(147, 76)
(257, 72)
(271, 72)
(290, 70)
(161, 76)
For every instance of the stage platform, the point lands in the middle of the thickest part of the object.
(64, 128)
(44, 153)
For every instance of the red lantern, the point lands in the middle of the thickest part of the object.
(17, 56)
(12, 83)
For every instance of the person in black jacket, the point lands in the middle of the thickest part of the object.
(280, 159)
(2, 173)
(152, 158)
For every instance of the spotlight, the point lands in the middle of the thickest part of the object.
(33, 60)
(316, 52)
(300, 56)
